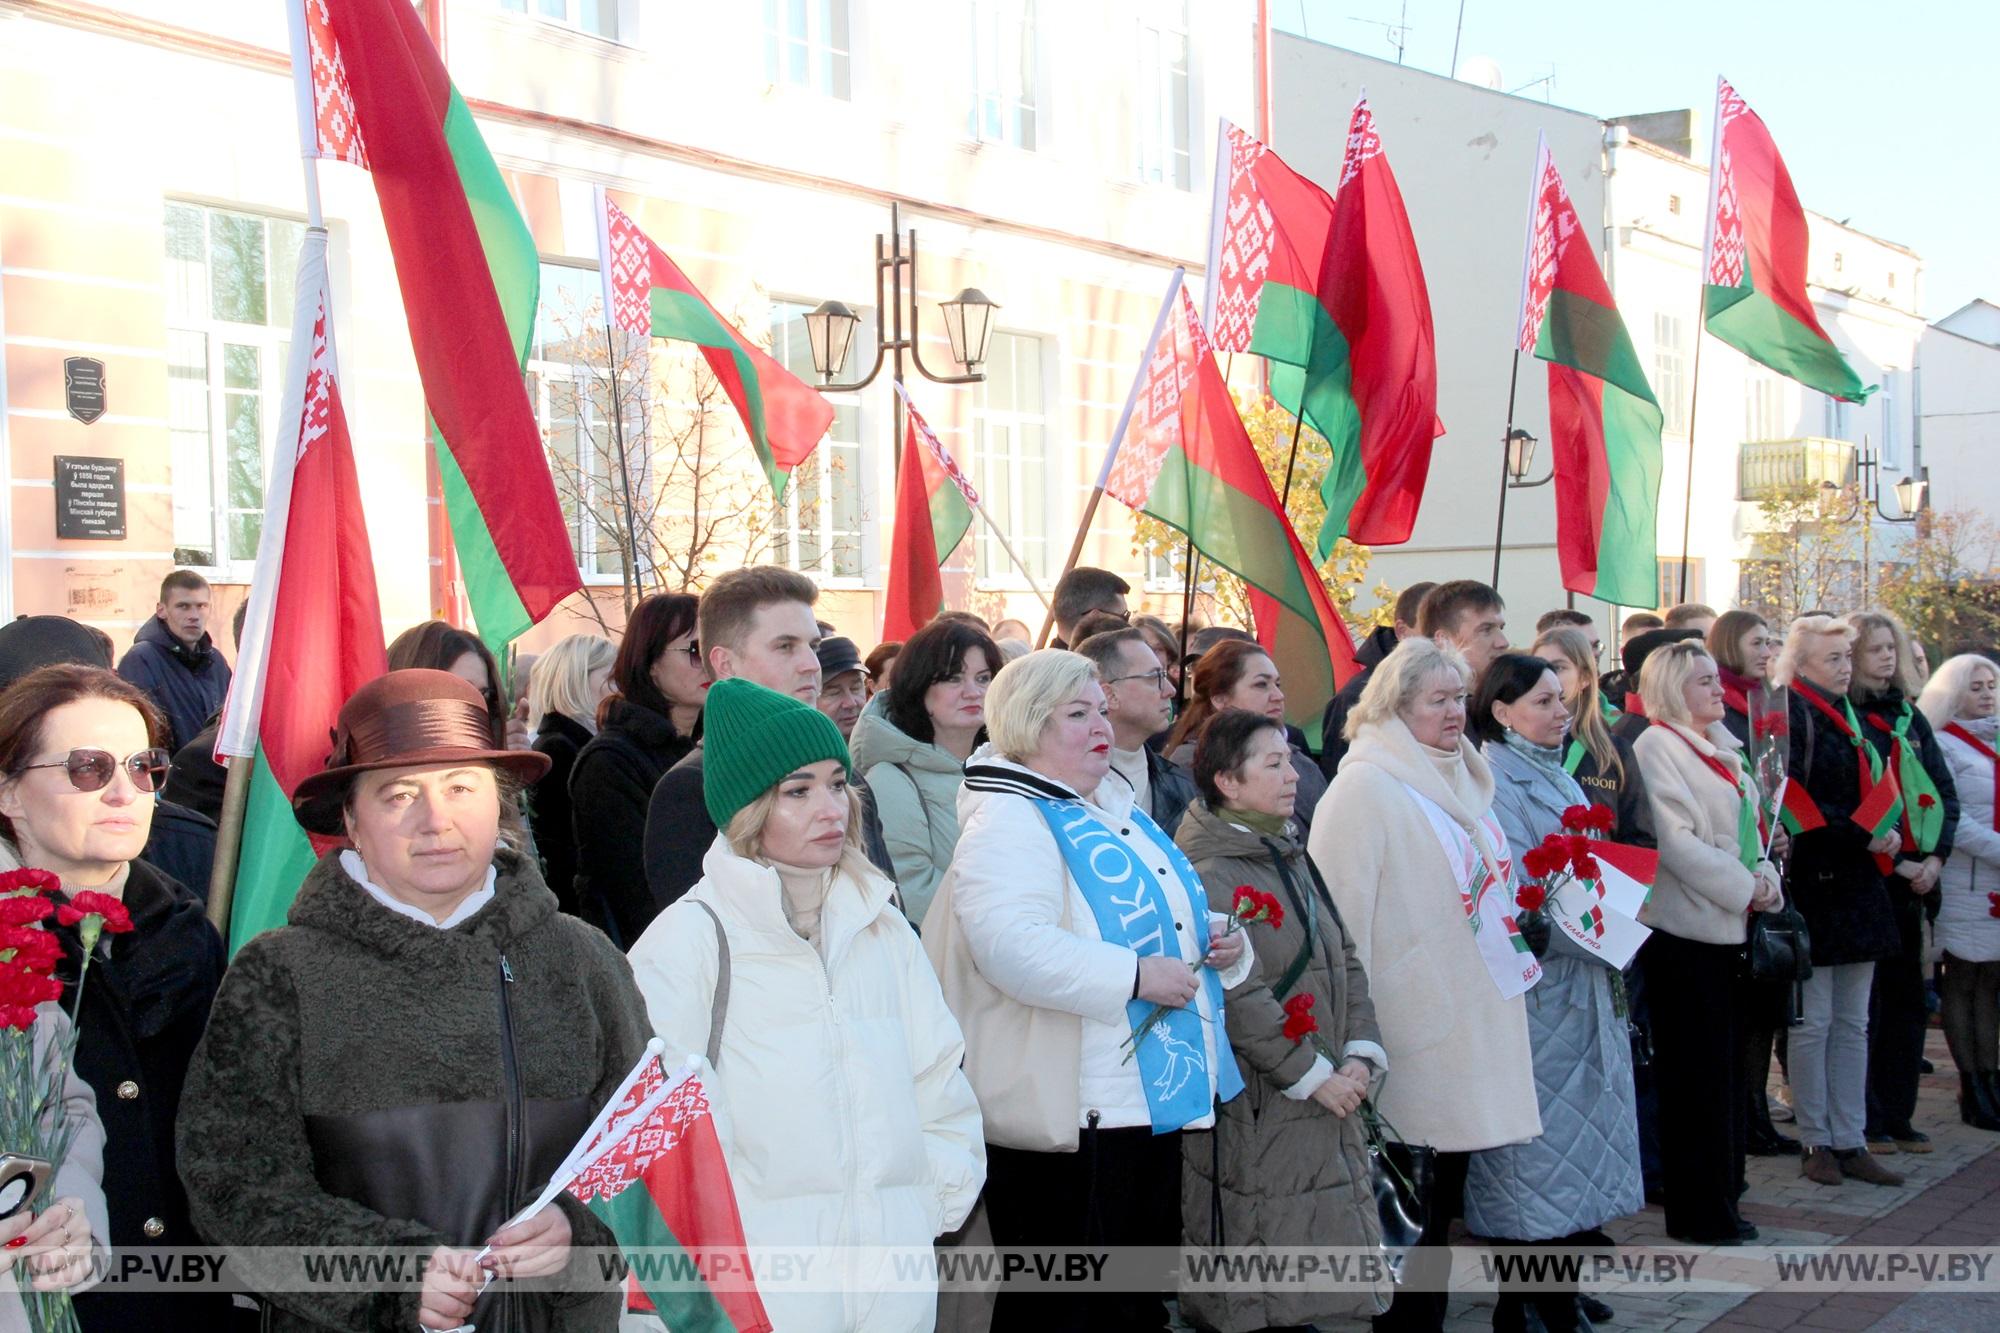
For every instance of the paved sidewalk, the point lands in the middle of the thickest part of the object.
(1952, 1197)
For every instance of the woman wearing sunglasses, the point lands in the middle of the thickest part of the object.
(80, 761)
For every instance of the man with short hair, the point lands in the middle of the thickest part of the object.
(756, 623)
(1083, 590)
(173, 659)
(1378, 645)
(1636, 624)
(843, 683)
(1569, 617)
(1469, 616)
(1691, 615)
(1138, 703)
(1613, 685)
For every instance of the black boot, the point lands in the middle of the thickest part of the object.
(1979, 1099)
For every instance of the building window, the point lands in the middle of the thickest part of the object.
(1888, 447)
(1669, 590)
(1005, 72)
(569, 383)
(808, 44)
(1011, 449)
(1837, 261)
(1766, 415)
(229, 323)
(599, 18)
(1674, 204)
(1670, 372)
(819, 531)
(1162, 96)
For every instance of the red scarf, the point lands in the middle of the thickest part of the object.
(1984, 751)
(1735, 691)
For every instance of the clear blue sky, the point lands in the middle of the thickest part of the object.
(1885, 114)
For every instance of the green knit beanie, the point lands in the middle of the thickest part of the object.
(753, 738)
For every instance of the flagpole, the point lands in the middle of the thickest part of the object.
(1005, 545)
(1687, 493)
(1500, 523)
(1117, 439)
(624, 468)
(1701, 321)
(236, 785)
(1298, 426)
(1187, 616)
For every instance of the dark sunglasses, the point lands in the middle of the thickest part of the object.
(92, 770)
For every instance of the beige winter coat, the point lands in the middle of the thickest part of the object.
(1702, 890)
(1463, 1073)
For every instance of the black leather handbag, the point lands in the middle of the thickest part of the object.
(1403, 1177)
(1778, 949)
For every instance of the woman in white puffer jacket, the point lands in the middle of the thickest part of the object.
(849, 1129)
(1962, 701)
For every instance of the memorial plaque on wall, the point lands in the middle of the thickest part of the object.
(90, 498)
(83, 387)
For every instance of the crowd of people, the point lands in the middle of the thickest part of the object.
(1077, 947)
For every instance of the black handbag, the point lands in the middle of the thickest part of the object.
(1403, 1176)
(1779, 949)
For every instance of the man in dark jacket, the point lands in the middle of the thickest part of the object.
(1378, 645)
(756, 623)
(1138, 701)
(173, 659)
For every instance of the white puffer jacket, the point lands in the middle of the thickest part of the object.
(1006, 885)
(842, 1110)
(1966, 926)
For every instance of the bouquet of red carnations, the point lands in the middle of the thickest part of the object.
(1248, 905)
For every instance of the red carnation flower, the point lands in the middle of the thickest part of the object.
(1603, 820)
(102, 905)
(1577, 845)
(1925, 801)
(1299, 1022)
(1274, 911)
(24, 909)
(1531, 897)
(30, 879)
(1579, 818)
(1586, 867)
(19, 1016)
(1243, 902)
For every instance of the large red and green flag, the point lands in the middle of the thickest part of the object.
(1184, 458)
(1343, 311)
(934, 504)
(470, 277)
(313, 633)
(658, 1179)
(646, 293)
(1754, 261)
(1603, 418)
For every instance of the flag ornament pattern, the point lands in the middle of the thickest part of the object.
(471, 278)
(1754, 265)
(657, 1177)
(313, 632)
(1193, 467)
(934, 504)
(1603, 418)
(336, 136)
(646, 293)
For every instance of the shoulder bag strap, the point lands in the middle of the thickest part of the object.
(719, 1007)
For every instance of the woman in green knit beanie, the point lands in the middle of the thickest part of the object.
(845, 1117)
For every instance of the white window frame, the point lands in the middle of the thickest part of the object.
(272, 343)
(621, 14)
(1767, 413)
(850, 454)
(991, 567)
(1160, 23)
(1670, 372)
(828, 66)
(990, 84)
(1889, 448)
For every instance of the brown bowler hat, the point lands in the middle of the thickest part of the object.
(402, 720)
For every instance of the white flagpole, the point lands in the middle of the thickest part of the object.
(1217, 220)
(998, 534)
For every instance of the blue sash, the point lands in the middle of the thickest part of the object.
(1131, 908)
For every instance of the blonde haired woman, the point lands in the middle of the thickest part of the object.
(1962, 701)
(565, 687)
(1067, 915)
(844, 1116)
(1884, 694)
(1712, 874)
(1836, 883)
(1405, 831)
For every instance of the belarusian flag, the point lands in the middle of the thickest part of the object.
(1603, 418)
(313, 633)
(1602, 915)
(1269, 231)
(661, 1183)
(646, 293)
(470, 277)
(1185, 459)
(1754, 260)
(1352, 326)
(933, 510)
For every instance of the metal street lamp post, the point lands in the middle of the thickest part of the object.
(1517, 462)
(1912, 499)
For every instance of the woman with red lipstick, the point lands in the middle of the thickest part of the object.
(643, 729)
(845, 1117)
(80, 759)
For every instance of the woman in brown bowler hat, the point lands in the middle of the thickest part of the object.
(406, 1062)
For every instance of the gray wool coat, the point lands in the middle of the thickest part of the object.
(1584, 1168)
(1291, 1172)
(358, 1053)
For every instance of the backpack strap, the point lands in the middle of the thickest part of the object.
(719, 1007)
